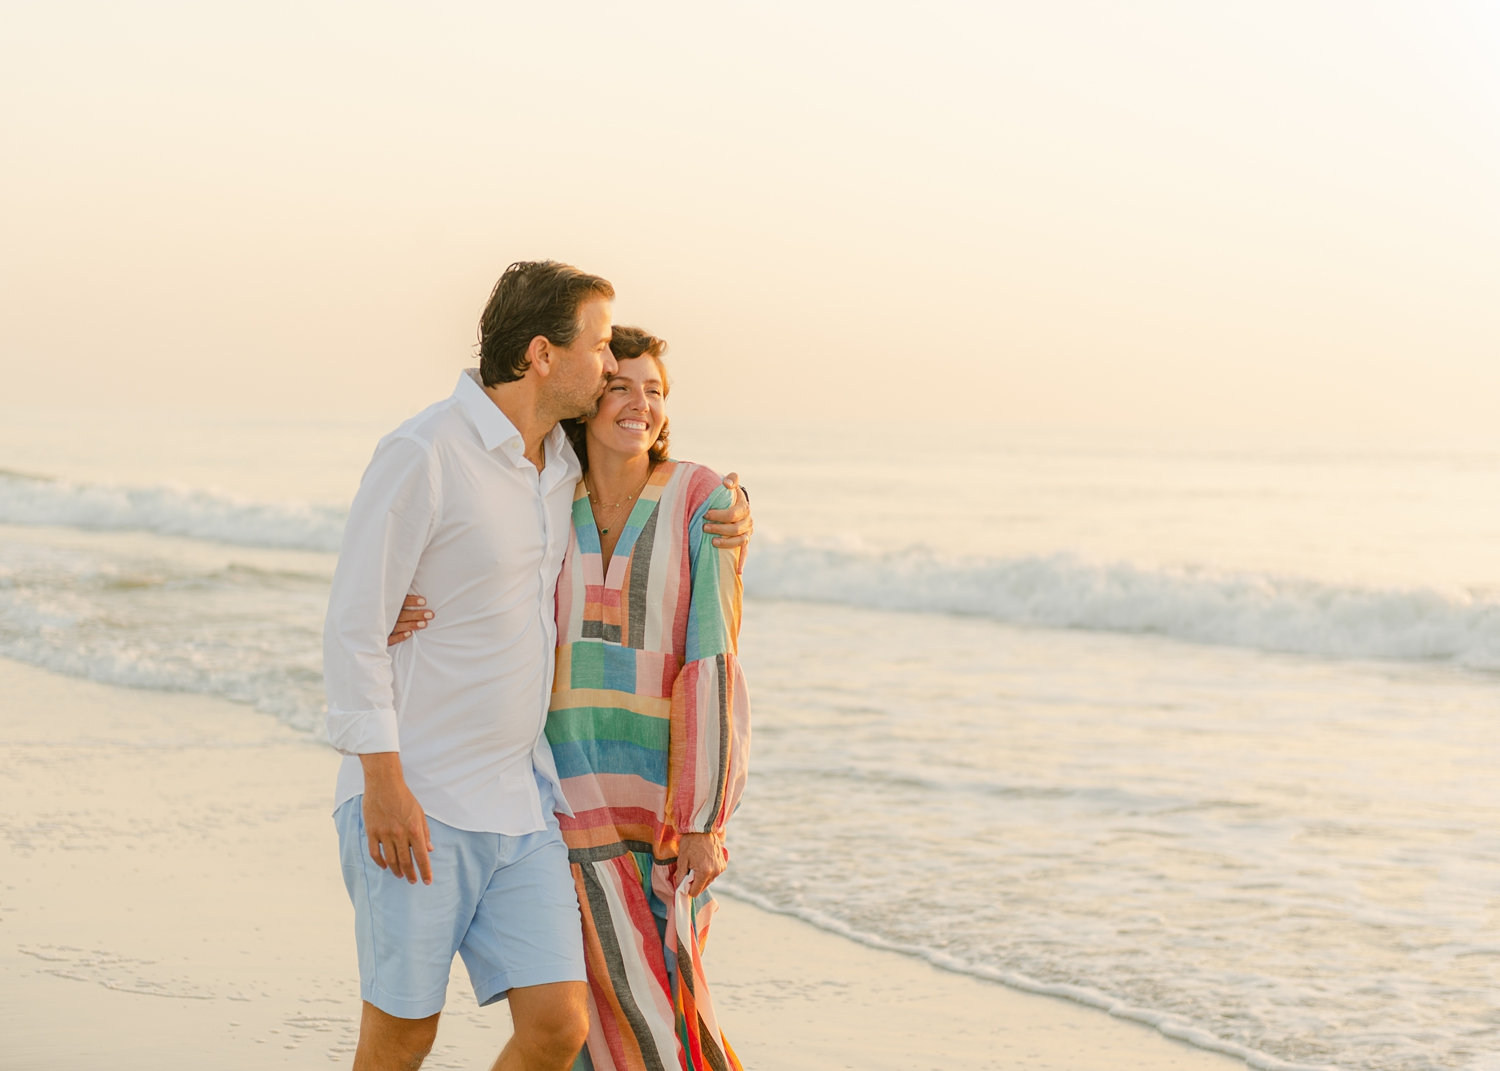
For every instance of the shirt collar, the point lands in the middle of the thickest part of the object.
(498, 433)
(494, 427)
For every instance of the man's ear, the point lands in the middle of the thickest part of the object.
(539, 355)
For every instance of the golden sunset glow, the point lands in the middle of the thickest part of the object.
(1267, 217)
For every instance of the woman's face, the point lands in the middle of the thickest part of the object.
(632, 410)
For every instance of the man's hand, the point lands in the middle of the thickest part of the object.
(703, 854)
(411, 618)
(395, 827)
(733, 525)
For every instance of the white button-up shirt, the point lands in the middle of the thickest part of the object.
(450, 508)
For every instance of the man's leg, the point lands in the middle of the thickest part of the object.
(525, 945)
(387, 1043)
(551, 1024)
(406, 936)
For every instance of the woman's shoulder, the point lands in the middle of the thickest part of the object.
(699, 485)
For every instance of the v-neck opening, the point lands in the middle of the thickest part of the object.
(613, 579)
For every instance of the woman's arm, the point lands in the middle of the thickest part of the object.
(709, 740)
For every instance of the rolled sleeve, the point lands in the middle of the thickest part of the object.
(390, 523)
(364, 732)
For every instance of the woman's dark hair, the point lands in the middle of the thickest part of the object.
(533, 297)
(628, 343)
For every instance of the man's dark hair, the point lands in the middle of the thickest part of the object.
(533, 297)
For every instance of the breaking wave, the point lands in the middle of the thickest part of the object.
(1260, 611)
(1254, 610)
(171, 511)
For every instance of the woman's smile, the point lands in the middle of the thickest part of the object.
(634, 403)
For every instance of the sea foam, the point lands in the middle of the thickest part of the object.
(1254, 610)
(1259, 611)
(1172, 1026)
(171, 511)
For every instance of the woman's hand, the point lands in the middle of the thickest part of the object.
(411, 618)
(703, 854)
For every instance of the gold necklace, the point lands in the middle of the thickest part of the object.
(609, 510)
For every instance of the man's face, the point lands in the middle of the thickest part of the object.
(582, 368)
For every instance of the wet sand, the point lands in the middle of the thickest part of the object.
(173, 899)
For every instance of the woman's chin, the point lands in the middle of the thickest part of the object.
(619, 446)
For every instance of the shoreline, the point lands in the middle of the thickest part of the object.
(174, 899)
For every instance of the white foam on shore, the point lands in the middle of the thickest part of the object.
(244, 630)
(1169, 1025)
(294, 695)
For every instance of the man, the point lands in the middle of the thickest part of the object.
(447, 776)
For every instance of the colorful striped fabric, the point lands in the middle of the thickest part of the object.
(650, 726)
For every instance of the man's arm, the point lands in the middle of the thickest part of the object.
(734, 524)
(390, 522)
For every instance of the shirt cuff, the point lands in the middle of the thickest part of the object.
(363, 732)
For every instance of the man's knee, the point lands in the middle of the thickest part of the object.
(386, 1041)
(571, 1029)
(561, 1029)
(556, 1025)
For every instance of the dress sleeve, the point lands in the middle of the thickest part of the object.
(709, 742)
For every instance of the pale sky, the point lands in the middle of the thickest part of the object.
(1266, 216)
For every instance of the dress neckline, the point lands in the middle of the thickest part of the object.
(587, 528)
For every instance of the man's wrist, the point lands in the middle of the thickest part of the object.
(381, 766)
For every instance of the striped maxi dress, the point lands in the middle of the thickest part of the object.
(650, 726)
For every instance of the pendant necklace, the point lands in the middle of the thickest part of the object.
(609, 509)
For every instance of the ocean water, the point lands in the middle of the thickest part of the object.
(1205, 734)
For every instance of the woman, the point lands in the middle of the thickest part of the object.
(649, 723)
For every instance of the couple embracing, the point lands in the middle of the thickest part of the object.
(530, 657)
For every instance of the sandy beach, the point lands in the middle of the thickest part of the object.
(173, 899)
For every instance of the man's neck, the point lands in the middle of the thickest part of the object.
(521, 406)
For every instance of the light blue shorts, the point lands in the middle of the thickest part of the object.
(507, 905)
